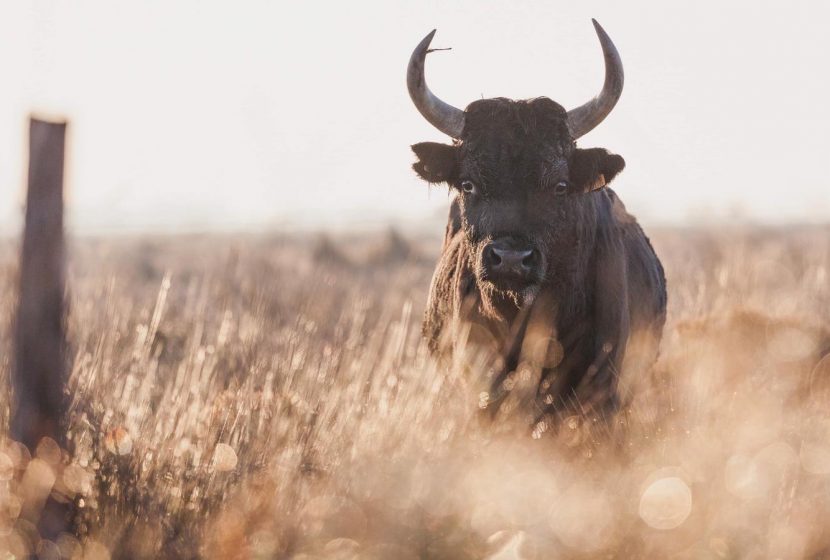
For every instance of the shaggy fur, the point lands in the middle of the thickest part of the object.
(599, 282)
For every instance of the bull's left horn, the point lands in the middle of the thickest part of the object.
(584, 118)
(444, 117)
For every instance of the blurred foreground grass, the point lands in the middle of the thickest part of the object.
(269, 397)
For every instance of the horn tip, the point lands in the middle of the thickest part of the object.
(425, 42)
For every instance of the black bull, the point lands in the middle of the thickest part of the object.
(546, 283)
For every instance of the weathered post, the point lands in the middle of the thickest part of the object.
(39, 371)
(40, 366)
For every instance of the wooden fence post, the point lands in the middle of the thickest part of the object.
(39, 403)
(39, 371)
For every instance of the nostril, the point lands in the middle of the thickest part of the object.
(495, 258)
(529, 259)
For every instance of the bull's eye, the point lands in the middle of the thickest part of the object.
(468, 187)
(562, 187)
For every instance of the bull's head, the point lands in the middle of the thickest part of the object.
(526, 193)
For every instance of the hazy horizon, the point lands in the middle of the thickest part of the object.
(194, 116)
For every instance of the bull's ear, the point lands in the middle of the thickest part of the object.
(437, 163)
(594, 168)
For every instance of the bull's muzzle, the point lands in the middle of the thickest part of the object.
(510, 264)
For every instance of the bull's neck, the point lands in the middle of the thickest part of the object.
(508, 311)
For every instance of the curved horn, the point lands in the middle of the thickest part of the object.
(444, 117)
(584, 118)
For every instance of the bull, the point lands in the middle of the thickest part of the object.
(543, 271)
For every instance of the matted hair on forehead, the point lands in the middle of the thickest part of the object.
(518, 122)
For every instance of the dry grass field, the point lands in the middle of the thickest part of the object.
(269, 397)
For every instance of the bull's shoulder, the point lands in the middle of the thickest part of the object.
(646, 277)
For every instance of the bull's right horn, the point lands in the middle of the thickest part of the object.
(444, 117)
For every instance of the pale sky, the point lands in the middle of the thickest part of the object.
(257, 115)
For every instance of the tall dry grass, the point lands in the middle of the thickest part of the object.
(251, 397)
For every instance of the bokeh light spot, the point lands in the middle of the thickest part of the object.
(666, 503)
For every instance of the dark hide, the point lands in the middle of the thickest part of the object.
(561, 342)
